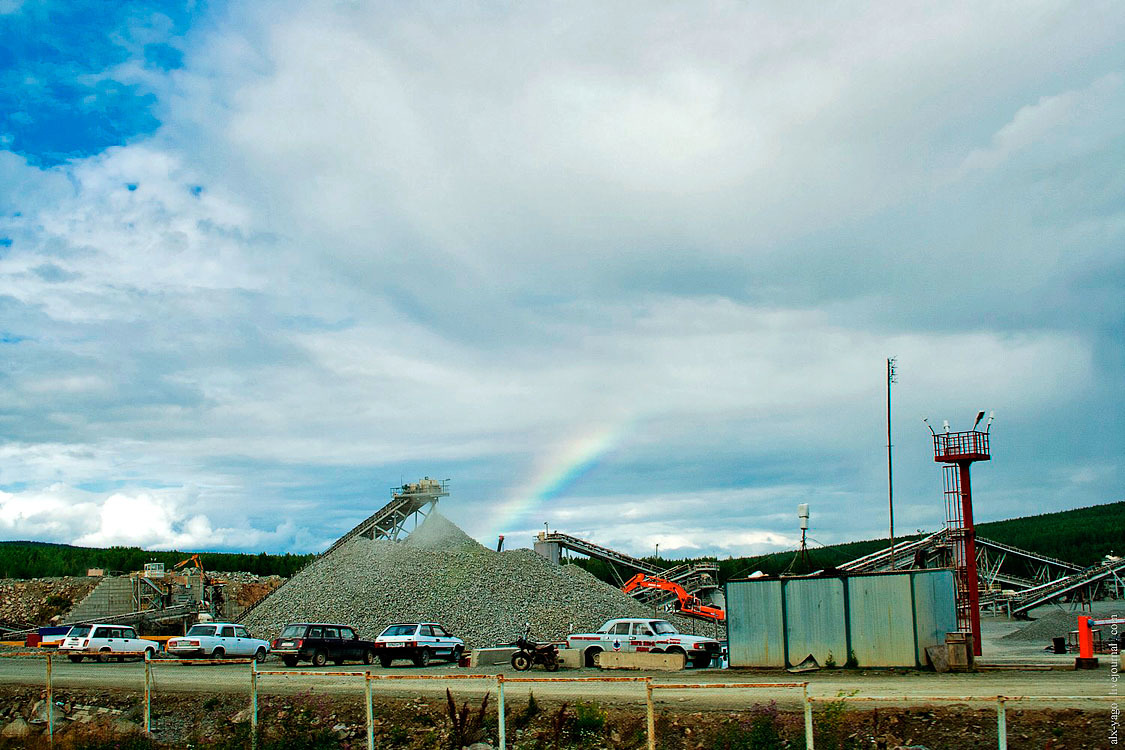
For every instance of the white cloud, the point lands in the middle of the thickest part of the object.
(1067, 124)
(151, 519)
(367, 240)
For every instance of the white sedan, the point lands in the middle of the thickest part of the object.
(103, 642)
(218, 640)
(417, 642)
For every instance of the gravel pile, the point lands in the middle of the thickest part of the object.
(440, 574)
(1052, 625)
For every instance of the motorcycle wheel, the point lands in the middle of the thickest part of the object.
(521, 662)
(551, 666)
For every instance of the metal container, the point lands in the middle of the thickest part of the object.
(868, 620)
(757, 635)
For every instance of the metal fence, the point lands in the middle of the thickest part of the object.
(646, 688)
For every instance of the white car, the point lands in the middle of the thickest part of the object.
(643, 634)
(102, 642)
(417, 641)
(218, 640)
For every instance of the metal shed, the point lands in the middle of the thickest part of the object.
(872, 620)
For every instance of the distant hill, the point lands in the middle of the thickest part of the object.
(46, 560)
(1081, 536)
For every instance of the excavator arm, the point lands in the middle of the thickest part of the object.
(686, 603)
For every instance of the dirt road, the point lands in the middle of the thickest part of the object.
(913, 688)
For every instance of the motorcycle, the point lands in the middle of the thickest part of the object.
(531, 653)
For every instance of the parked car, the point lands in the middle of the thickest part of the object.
(320, 642)
(101, 642)
(218, 640)
(419, 642)
(642, 634)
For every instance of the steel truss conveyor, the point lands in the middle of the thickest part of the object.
(408, 508)
(1046, 578)
(693, 577)
(1083, 582)
(994, 561)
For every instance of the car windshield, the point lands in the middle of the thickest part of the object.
(293, 631)
(202, 630)
(399, 630)
(79, 631)
(662, 627)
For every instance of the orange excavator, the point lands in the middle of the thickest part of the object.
(686, 604)
(212, 594)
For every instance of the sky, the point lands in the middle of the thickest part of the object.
(631, 270)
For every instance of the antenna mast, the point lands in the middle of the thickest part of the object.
(890, 476)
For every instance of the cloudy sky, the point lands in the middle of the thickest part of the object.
(631, 269)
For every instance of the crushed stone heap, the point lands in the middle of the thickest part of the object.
(440, 574)
(1050, 625)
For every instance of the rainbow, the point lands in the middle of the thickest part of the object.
(554, 475)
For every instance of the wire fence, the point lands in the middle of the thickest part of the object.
(635, 691)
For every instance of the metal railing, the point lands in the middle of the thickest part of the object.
(500, 680)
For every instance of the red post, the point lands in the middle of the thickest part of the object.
(970, 554)
(1085, 638)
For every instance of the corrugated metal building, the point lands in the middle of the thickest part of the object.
(876, 619)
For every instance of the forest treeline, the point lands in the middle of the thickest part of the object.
(45, 560)
(1082, 536)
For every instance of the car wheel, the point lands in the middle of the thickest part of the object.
(591, 656)
(521, 662)
(289, 661)
(368, 656)
(103, 656)
(422, 658)
(320, 658)
(455, 654)
(77, 659)
(385, 661)
(260, 656)
(701, 661)
(218, 654)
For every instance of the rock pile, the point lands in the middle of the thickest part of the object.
(1051, 625)
(36, 601)
(442, 575)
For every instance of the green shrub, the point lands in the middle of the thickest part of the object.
(589, 719)
(830, 732)
(528, 714)
(760, 731)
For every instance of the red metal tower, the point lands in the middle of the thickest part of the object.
(957, 451)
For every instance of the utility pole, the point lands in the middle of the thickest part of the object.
(890, 474)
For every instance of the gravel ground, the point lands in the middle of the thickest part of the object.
(441, 574)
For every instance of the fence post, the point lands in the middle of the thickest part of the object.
(1001, 723)
(254, 704)
(50, 705)
(650, 717)
(501, 721)
(370, 713)
(808, 717)
(148, 694)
